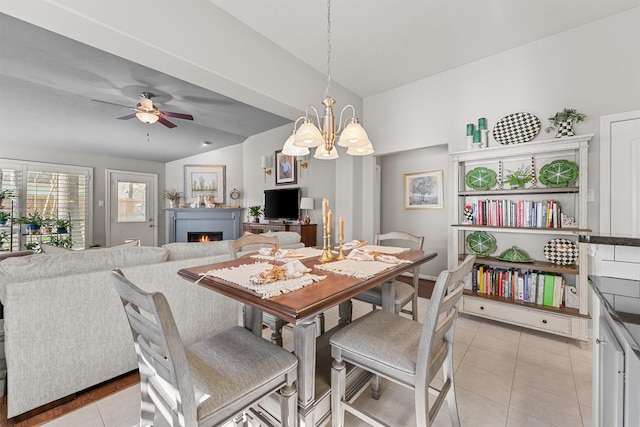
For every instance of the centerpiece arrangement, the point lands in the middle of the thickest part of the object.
(173, 196)
(563, 120)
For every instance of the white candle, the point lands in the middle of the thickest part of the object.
(330, 220)
(341, 226)
(325, 206)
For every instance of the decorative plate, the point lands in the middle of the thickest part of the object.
(516, 128)
(480, 178)
(561, 251)
(558, 173)
(481, 243)
(514, 254)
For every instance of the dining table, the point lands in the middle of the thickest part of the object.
(300, 308)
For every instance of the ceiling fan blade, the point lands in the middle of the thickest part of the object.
(177, 115)
(127, 117)
(165, 122)
(111, 103)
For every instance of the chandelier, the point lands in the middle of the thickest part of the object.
(323, 135)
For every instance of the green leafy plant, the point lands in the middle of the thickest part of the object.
(5, 194)
(566, 115)
(4, 215)
(518, 178)
(62, 242)
(3, 236)
(34, 218)
(255, 211)
(62, 223)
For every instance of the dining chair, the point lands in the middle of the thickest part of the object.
(403, 351)
(405, 293)
(213, 381)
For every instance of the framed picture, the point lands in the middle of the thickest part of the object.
(286, 169)
(423, 190)
(205, 180)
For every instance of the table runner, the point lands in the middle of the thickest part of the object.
(240, 275)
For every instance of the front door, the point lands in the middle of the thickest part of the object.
(132, 209)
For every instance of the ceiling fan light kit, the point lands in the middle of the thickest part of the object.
(148, 113)
(322, 136)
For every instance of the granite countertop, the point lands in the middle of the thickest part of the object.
(629, 323)
(626, 240)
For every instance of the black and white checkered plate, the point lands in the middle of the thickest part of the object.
(561, 251)
(516, 128)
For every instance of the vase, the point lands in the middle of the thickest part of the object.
(173, 204)
(565, 129)
(33, 228)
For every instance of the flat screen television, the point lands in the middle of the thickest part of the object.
(282, 203)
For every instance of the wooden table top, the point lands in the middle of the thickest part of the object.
(310, 300)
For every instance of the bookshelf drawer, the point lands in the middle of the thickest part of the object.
(530, 318)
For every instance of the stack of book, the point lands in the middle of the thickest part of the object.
(522, 213)
(519, 285)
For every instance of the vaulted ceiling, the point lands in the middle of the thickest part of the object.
(48, 81)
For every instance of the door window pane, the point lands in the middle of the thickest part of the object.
(132, 201)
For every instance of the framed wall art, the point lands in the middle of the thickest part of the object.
(423, 190)
(286, 169)
(205, 180)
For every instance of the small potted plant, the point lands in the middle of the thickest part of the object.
(563, 120)
(518, 178)
(62, 226)
(4, 194)
(255, 212)
(173, 196)
(33, 222)
(4, 217)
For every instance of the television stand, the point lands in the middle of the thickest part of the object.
(307, 231)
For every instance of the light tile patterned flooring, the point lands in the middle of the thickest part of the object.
(505, 376)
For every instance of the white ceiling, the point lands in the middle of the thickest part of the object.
(377, 45)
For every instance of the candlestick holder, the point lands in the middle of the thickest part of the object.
(340, 254)
(326, 246)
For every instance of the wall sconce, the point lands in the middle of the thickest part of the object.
(303, 163)
(266, 166)
(306, 203)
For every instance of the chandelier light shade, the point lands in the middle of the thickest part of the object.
(322, 134)
(291, 150)
(147, 118)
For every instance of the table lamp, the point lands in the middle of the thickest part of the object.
(306, 203)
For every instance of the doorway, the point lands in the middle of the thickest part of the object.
(132, 209)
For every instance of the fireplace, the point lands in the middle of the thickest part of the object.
(184, 221)
(203, 236)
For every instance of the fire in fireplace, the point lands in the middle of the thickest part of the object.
(203, 236)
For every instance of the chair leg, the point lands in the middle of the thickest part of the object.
(276, 335)
(289, 405)
(345, 312)
(338, 384)
(375, 387)
(451, 394)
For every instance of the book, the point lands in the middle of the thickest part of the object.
(558, 291)
(547, 299)
(540, 289)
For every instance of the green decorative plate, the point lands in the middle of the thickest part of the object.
(514, 254)
(481, 243)
(480, 178)
(558, 173)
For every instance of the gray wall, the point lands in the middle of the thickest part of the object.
(99, 164)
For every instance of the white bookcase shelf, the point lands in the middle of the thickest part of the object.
(566, 321)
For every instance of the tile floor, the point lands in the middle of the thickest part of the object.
(505, 376)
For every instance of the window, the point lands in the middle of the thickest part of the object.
(56, 192)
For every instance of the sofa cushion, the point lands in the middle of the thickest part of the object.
(285, 238)
(34, 267)
(182, 250)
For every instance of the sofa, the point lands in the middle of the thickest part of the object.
(65, 329)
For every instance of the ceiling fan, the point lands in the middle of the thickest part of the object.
(148, 113)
